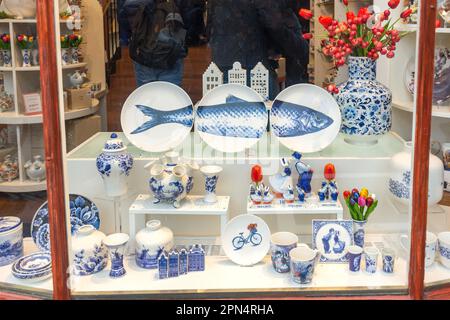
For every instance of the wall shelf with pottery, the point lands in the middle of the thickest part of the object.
(438, 111)
(23, 186)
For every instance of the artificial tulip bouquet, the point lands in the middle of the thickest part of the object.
(360, 204)
(363, 34)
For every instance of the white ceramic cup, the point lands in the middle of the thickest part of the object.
(371, 259)
(444, 248)
(430, 248)
(281, 243)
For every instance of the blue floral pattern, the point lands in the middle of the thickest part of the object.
(445, 252)
(401, 189)
(105, 162)
(388, 264)
(168, 192)
(371, 264)
(364, 102)
(90, 264)
(211, 183)
(9, 252)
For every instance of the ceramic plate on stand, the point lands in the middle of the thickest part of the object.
(441, 90)
(157, 117)
(82, 212)
(305, 118)
(231, 118)
(332, 238)
(34, 267)
(246, 240)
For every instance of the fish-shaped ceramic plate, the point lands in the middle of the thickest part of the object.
(231, 118)
(305, 118)
(157, 117)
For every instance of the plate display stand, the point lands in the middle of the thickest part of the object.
(278, 207)
(191, 205)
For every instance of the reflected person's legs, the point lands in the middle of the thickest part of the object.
(174, 75)
(144, 74)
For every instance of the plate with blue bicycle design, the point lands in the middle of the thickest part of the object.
(157, 117)
(305, 117)
(332, 238)
(82, 212)
(246, 240)
(231, 118)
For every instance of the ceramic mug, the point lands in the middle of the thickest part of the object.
(430, 249)
(303, 262)
(354, 254)
(388, 260)
(371, 259)
(444, 248)
(281, 244)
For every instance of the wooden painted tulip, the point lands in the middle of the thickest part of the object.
(329, 172)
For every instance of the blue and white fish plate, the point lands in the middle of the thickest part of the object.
(231, 118)
(332, 238)
(246, 239)
(157, 117)
(33, 267)
(305, 118)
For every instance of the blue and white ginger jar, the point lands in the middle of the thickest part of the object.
(114, 165)
(365, 103)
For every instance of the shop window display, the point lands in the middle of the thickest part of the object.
(174, 189)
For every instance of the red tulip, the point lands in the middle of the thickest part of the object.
(257, 174)
(346, 194)
(390, 54)
(393, 3)
(306, 14)
(438, 23)
(405, 14)
(20, 38)
(369, 202)
(307, 36)
(326, 21)
(345, 2)
(364, 11)
(350, 15)
(329, 171)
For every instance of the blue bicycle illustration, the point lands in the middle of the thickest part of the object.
(254, 238)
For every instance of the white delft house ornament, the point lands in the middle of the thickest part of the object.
(259, 80)
(237, 75)
(114, 165)
(212, 78)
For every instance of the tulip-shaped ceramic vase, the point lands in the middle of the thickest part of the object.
(116, 244)
(211, 174)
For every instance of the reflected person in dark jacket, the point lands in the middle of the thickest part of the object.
(245, 30)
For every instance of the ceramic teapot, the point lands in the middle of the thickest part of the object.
(77, 78)
(171, 179)
(36, 169)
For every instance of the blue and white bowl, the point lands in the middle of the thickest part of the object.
(11, 240)
(444, 248)
(34, 267)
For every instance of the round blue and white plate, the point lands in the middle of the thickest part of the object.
(33, 267)
(157, 117)
(231, 118)
(246, 240)
(305, 118)
(82, 212)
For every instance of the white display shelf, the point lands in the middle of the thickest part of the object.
(38, 68)
(414, 27)
(12, 117)
(438, 111)
(34, 21)
(23, 186)
(277, 208)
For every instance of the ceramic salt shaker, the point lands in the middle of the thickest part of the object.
(114, 165)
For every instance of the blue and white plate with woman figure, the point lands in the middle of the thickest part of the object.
(82, 212)
(332, 238)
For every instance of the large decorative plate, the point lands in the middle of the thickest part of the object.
(34, 267)
(157, 116)
(332, 238)
(231, 118)
(82, 212)
(246, 240)
(305, 118)
(441, 89)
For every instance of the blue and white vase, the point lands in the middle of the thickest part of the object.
(116, 243)
(354, 254)
(11, 240)
(388, 256)
(371, 259)
(66, 57)
(75, 55)
(114, 165)
(359, 233)
(89, 254)
(26, 58)
(365, 103)
(211, 174)
(7, 60)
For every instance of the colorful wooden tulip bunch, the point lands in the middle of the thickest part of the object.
(5, 42)
(360, 204)
(26, 42)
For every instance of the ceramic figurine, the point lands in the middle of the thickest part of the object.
(282, 180)
(89, 254)
(196, 258)
(212, 78)
(36, 170)
(6, 102)
(183, 261)
(114, 165)
(77, 79)
(211, 174)
(267, 196)
(305, 174)
(329, 190)
(116, 243)
(171, 180)
(163, 265)
(289, 195)
(400, 178)
(257, 178)
(9, 169)
(301, 194)
(11, 239)
(174, 263)
(256, 194)
(151, 242)
(259, 80)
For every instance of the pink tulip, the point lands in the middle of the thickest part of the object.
(361, 202)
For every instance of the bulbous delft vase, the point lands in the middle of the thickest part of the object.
(89, 254)
(399, 183)
(365, 103)
(114, 165)
(151, 242)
